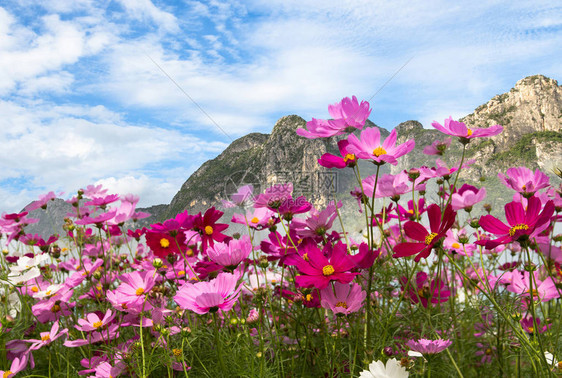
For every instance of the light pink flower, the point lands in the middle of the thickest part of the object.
(230, 254)
(93, 322)
(460, 130)
(203, 297)
(467, 197)
(343, 298)
(47, 337)
(370, 147)
(425, 346)
(524, 181)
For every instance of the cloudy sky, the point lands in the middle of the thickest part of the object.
(88, 88)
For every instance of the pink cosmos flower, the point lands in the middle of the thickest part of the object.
(47, 337)
(274, 196)
(136, 284)
(93, 322)
(393, 186)
(543, 291)
(528, 325)
(424, 291)
(460, 130)
(257, 219)
(18, 364)
(425, 346)
(42, 201)
(231, 254)
(524, 224)
(439, 224)
(292, 206)
(332, 161)
(457, 242)
(467, 197)
(437, 147)
(203, 297)
(318, 223)
(343, 298)
(347, 115)
(487, 351)
(243, 196)
(370, 146)
(318, 270)
(524, 181)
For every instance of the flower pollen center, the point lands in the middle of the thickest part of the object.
(164, 243)
(379, 151)
(35, 289)
(429, 238)
(328, 270)
(456, 245)
(140, 291)
(209, 230)
(518, 227)
(98, 324)
(7, 374)
(255, 220)
(177, 352)
(181, 273)
(468, 132)
(46, 337)
(341, 304)
(349, 157)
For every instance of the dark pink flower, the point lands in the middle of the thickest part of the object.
(460, 130)
(426, 240)
(524, 224)
(318, 270)
(274, 196)
(345, 160)
(370, 147)
(425, 291)
(208, 227)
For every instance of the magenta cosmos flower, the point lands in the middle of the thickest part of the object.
(467, 197)
(426, 240)
(425, 346)
(203, 297)
(426, 292)
(369, 146)
(460, 130)
(347, 115)
(437, 147)
(524, 224)
(318, 270)
(345, 160)
(343, 298)
(542, 291)
(524, 181)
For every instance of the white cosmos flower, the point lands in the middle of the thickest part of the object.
(49, 291)
(26, 269)
(377, 369)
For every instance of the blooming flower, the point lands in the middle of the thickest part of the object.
(332, 161)
(466, 197)
(524, 224)
(426, 240)
(318, 223)
(437, 147)
(347, 115)
(231, 254)
(425, 346)
(318, 270)
(203, 297)
(257, 219)
(163, 244)
(136, 284)
(392, 369)
(94, 322)
(460, 130)
(274, 196)
(208, 227)
(243, 196)
(47, 337)
(343, 298)
(524, 181)
(424, 291)
(370, 146)
(542, 291)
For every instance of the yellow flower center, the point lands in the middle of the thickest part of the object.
(164, 243)
(140, 291)
(349, 157)
(531, 329)
(177, 352)
(189, 252)
(35, 289)
(341, 304)
(181, 273)
(328, 270)
(559, 365)
(514, 229)
(7, 374)
(488, 351)
(379, 151)
(468, 132)
(98, 324)
(305, 257)
(48, 292)
(456, 245)
(535, 293)
(55, 308)
(429, 238)
(46, 337)
(308, 297)
(124, 306)
(255, 220)
(209, 230)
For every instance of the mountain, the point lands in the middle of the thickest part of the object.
(531, 114)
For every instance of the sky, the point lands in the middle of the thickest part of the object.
(137, 94)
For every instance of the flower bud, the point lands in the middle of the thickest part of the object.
(157, 263)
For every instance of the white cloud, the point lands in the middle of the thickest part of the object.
(145, 10)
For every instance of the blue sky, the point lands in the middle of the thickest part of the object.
(82, 102)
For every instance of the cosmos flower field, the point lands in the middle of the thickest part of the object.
(429, 290)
